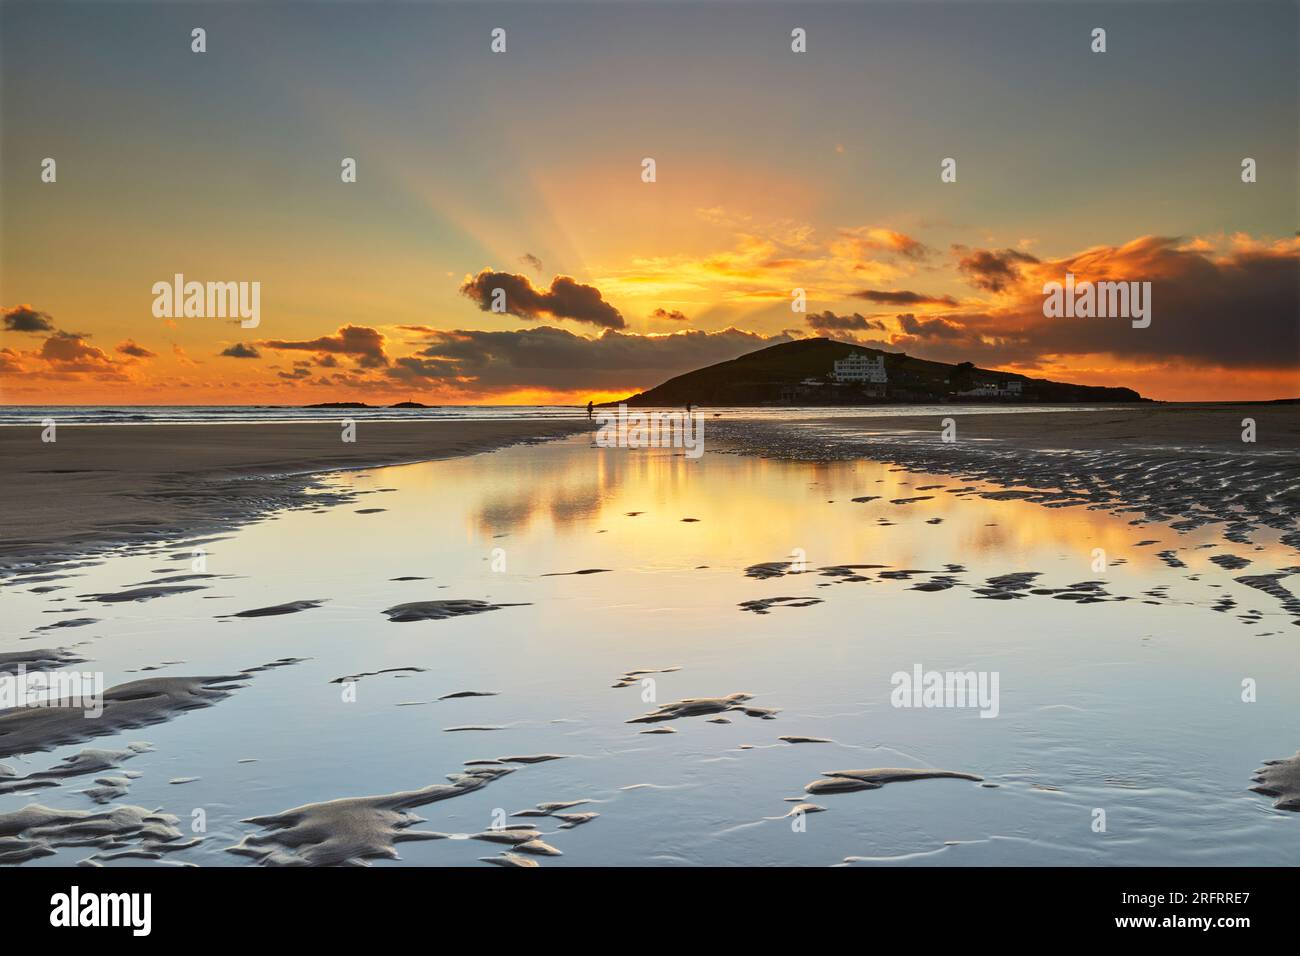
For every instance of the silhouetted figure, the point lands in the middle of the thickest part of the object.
(590, 406)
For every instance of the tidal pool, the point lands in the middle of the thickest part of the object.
(562, 570)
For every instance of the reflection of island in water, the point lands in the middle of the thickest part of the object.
(769, 602)
(552, 489)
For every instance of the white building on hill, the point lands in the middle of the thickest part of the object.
(1008, 389)
(860, 367)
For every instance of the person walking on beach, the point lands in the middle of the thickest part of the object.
(590, 406)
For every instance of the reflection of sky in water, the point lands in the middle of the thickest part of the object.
(1129, 707)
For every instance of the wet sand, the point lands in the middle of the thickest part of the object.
(98, 486)
(1117, 427)
(715, 715)
(1185, 434)
(1122, 427)
(1181, 465)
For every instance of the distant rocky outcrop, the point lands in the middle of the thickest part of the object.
(800, 373)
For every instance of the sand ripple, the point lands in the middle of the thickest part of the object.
(353, 830)
(1280, 779)
(441, 610)
(35, 831)
(126, 706)
(843, 781)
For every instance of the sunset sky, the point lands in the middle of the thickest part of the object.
(522, 170)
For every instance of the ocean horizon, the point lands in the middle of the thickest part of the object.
(34, 415)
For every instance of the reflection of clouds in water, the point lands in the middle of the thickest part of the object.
(764, 509)
(567, 508)
(1082, 712)
(565, 505)
(512, 493)
(515, 493)
(500, 515)
(567, 488)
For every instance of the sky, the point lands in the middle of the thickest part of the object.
(775, 170)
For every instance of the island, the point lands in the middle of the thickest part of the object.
(822, 371)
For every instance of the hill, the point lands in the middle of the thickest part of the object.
(801, 373)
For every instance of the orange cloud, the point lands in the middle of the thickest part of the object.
(365, 345)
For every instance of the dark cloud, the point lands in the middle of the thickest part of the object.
(23, 318)
(1236, 310)
(240, 350)
(930, 328)
(903, 297)
(411, 367)
(130, 347)
(1232, 311)
(364, 344)
(830, 322)
(674, 315)
(531, 261)
(566, 299)
(548, 357)
(954, 351)
(992, 270)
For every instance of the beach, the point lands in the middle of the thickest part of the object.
(560, 439)
(563, 654)
(1151, 427)
(100, 486)
(1185, 465)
